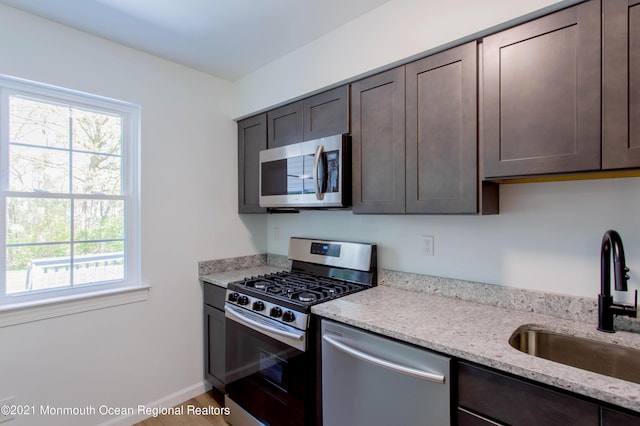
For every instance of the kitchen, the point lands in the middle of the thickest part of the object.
(546, 237)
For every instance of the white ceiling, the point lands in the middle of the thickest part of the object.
(226, 38)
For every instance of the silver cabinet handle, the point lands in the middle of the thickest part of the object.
(408, 371)
(319, 193)
(255, 324)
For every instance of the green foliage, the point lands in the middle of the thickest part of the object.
(51, 145)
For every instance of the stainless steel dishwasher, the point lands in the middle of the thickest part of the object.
(370, 380)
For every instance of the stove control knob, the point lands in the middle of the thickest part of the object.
(288, 317)
(233, 297)
(243, 300)
(258, 306)
(275, 312)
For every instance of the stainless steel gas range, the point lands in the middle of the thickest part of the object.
(273, 341)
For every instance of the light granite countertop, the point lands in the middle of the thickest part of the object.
(468, 320)
(480, 333)
(223, 278)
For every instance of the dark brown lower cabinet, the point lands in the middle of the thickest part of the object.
(488, 397)
(214, 335)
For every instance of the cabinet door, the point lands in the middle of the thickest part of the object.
(442, 132)
(378, 143)
(214, 356)
(326, 114)
(621, 84)
(285, 125)
(542, 95)
(252, 137)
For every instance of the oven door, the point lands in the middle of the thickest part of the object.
(271, 380)
(306, 174)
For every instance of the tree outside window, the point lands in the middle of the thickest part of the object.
(66, 193)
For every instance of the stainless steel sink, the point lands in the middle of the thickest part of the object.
(599, 357)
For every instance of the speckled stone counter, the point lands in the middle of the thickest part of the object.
(223, 278)
(468, 320)
(480, 333)
(224, 271)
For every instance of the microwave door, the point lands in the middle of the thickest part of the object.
(303, 175)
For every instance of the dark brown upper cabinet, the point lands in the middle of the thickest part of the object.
(326, 114)
(285, 125)
(541, 103)
(621, 84)
(252, 137)
(441, 133)
(378, 143)
(317, 116)
(415, 138)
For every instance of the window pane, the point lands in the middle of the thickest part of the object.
(98, 262)
(98, 220)
(38, 170)
(38, 267)
(63, 191)
(96, 174)
(38, 220)
(96, 132)
(38, 123)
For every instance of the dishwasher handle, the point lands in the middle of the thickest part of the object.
(408, 371)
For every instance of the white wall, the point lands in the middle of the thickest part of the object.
(397, 30)
(143, 352)
(547, 236)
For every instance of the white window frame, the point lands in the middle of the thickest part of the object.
(36, 305)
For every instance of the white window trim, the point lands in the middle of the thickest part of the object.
(61, 306)
(33, 307)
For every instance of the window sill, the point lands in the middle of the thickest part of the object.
(40, 310)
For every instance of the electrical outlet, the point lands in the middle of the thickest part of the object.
(426, 245)
(5, 409)
(276, 233)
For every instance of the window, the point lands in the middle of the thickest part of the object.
(68, 193)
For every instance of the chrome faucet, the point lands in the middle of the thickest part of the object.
(607, 308)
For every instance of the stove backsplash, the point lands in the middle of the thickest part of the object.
(207, 267)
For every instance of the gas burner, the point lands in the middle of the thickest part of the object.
(260, 285)
(306, 297)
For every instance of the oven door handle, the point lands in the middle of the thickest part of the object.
(407, 371)
(237, 316)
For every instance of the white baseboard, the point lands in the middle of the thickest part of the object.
(168, 401)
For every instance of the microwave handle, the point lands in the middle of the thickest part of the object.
(319, 189)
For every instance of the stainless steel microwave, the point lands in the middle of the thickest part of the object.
(311, 174)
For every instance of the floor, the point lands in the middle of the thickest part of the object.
(190, 415)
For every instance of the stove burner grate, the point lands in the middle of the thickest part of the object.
(300, 287)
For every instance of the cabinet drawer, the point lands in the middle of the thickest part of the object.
(614, 417)
(467, 418)
(214, 295)
(513, 401)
